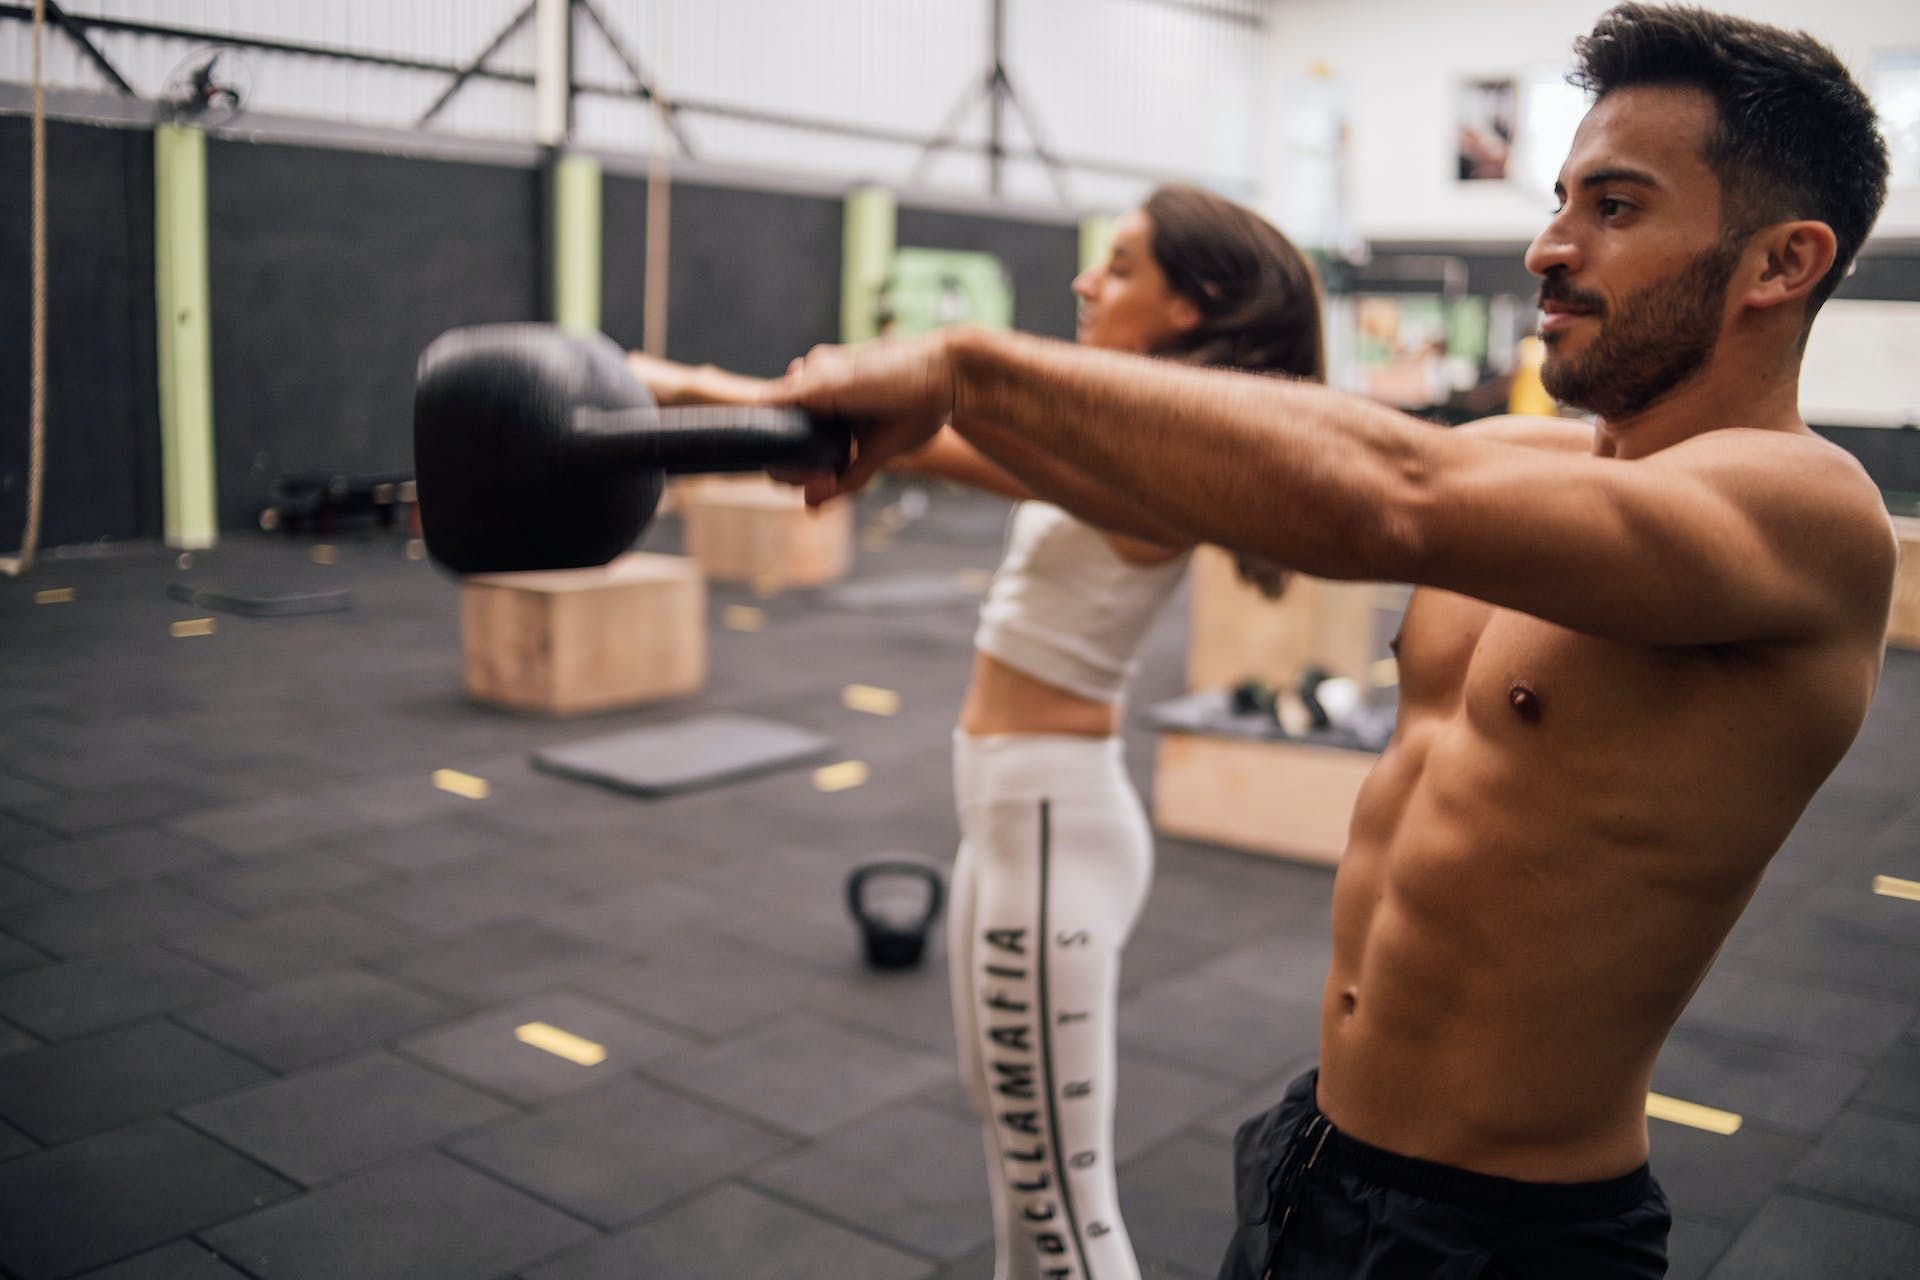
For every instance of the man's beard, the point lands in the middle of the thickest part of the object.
(1652, 342)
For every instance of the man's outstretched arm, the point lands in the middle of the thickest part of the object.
(1735, 535)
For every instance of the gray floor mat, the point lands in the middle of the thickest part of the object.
(702, 751)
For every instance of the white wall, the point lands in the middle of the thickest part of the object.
(1397, 65)
(1167, 87)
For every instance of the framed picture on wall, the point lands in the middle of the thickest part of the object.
(1484, 136)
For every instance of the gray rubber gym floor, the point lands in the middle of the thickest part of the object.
(259, 977)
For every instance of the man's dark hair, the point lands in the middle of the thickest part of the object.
(1796, 137)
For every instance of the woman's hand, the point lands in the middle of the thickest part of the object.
(668, 380)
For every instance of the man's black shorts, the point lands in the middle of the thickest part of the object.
(1315, 1204)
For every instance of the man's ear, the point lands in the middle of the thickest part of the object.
(1798, 257)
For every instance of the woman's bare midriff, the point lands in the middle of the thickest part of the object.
(1001, 699)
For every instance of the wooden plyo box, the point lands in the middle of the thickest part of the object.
(1292, 799)
(751, 529)
(1285, 798)
(567, 641)
(1238, 634)
(1903, 625)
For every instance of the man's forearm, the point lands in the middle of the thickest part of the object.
(1307, 477)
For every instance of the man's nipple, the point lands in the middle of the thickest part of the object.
(1349, 1002)
(1524, 701)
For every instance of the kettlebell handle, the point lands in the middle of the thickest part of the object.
(937, 892)
(701, 439)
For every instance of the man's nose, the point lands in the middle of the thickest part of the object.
(1552, 248)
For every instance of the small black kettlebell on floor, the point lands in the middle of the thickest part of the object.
(895, 903)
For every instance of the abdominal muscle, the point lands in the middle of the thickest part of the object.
(1499, 991)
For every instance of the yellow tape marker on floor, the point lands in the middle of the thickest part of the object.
(462, 784)
(191, 627)
(844, 776)
(322, 554)
(1895, 887)
(561, 1044)
(54, 595)
(871, 699)
(974, 580)
(743, 617)
(1692, 1114)
(1385, 673)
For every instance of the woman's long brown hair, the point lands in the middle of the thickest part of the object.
(1258, 297)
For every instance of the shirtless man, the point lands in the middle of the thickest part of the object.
(1636, 651)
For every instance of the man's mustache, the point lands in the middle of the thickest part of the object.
(1556, 290)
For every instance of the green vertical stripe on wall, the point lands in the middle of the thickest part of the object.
(185, 333)
(867, 255)
(1096, 234)
(576, 244)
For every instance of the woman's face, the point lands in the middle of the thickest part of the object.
(1125, 304)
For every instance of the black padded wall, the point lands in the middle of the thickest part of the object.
(1884, 273)
(102, 473)
(1890, 455)
(1042, 258)
(754, 276)
(623, 259)
(331, 270)
(1889, 273)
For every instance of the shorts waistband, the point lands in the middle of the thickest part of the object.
(1464, 1188)
(1487, 1192)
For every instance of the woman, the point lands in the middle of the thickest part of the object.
(1056, 853)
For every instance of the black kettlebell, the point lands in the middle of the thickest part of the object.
(534, 448)
(894, 902)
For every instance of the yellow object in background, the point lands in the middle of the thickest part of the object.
(561, 1044)
(871, 699)
(462, 784)
(1895, 887)
(844, 776)
(1528, 394)
(1693, 1115)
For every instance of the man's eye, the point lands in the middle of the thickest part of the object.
(1610, 207)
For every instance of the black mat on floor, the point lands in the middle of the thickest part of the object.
(261, 601)
(704, 751)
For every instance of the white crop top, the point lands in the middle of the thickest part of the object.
(1065, 608)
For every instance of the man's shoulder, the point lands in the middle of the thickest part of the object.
(1533, 431)
(1809, 492)
(1803, 459)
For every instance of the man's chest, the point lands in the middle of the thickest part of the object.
(1509, 671)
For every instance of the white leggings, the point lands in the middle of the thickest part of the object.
(1055, 858)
